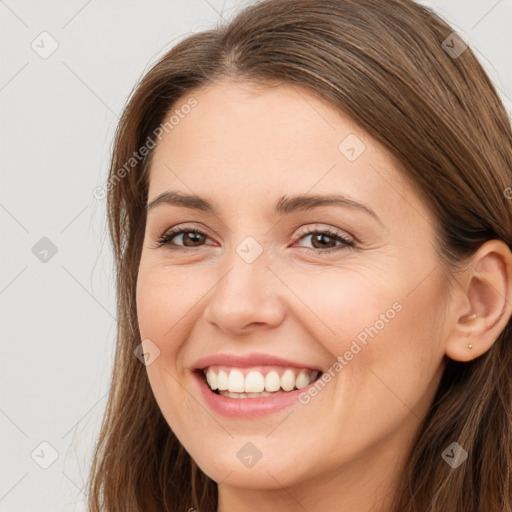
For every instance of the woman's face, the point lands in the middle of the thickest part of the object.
(262, 297)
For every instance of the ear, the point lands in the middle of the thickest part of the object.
(485, 291)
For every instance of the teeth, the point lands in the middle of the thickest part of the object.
(244, 395)
(288, 380)
(255, 383)
(222, 380)
(301, 381)
(211, 378)
(272, 381)
(236, 381)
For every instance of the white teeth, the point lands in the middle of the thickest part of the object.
(211, 378)
(256, 395)
(255, 383)
(288, 380)
(272, 381)
(222, 380)
(244, 395)
(236, 381)
(302, 380)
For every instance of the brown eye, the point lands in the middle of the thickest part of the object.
(323, 241)
(326, 240)
(190, 238)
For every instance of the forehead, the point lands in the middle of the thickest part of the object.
(243, 142)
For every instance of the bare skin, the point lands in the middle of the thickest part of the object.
(243, 149)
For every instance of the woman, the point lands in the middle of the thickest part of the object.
(310, 220)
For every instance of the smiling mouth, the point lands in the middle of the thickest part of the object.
(257, 382)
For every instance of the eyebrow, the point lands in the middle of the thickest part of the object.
(284, 206)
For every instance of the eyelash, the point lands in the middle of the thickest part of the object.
(165, 240)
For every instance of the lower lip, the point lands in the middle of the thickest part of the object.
(247, 407)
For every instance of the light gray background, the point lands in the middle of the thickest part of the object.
(58, 119)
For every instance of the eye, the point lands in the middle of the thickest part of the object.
(325, 237)
(193, 237)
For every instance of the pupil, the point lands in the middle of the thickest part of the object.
(321, 238)
(194, 236)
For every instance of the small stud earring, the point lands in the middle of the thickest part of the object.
(470, 347)
(472, 317)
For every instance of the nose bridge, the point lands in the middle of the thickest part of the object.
(247, 271)
(248, 292)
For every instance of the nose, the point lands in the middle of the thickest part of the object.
(247, 296)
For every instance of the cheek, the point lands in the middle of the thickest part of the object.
(152, 300)
(395, 373)
(159, 308)
(340, 306)
(161, 301)
(382, 333)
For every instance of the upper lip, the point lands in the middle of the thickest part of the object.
(247, 360)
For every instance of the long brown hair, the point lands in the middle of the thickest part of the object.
(383, 63)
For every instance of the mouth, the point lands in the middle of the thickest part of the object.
(250, 385)
(256, 382)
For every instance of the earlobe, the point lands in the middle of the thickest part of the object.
(471, 317)
(487, 286)
(463, 343)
